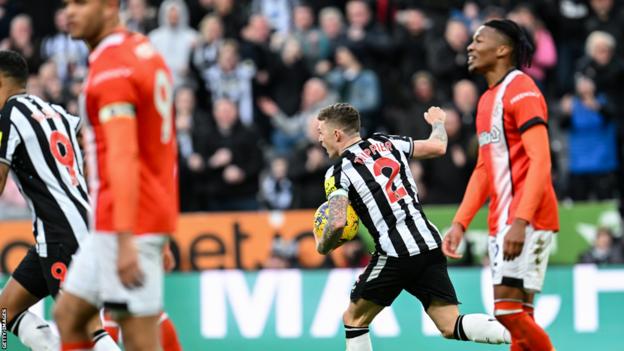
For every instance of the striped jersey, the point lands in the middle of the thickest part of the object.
(38, 141)
(504, 112)
(375, 174)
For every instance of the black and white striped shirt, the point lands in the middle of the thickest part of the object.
(375, 175)
(39, 142)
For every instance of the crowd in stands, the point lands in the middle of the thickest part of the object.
(250, 76)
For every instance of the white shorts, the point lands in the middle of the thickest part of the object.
(526, 271)
(93, 275)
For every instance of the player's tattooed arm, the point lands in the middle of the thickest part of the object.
(436, 144)
(438, 132)
(335, 224)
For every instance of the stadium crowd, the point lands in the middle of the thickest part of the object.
(251, 75)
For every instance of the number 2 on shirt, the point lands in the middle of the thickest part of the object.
(378, 166)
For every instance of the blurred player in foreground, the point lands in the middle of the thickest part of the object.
(374, 176)
(513, 170)
(39, 143)
(131, 155)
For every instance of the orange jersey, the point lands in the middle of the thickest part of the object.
(508, 144)
(131, 150)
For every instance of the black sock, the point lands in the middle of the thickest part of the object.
(13, 326)
(458, 332)
(98, 334)
(353, 332)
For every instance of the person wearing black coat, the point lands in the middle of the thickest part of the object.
(233, 164)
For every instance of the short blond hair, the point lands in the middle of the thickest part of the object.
(595, 38)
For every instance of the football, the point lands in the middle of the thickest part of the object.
(350, 230)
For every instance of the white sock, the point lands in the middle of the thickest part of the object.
(35, 333)
(481, 328)
(358, 339)
(104, 342)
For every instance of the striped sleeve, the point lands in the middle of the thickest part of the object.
(74, 121)
(336, 182)
(402, 143)
(9, 137)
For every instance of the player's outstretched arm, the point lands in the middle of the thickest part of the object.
(335, 224)
(435, 145)
(4, 174)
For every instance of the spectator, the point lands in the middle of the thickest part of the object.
(291, 129)
(232, 80)
(603, 251)
(255, 47)
(357, 86)
(232, 16)
(545, 56)
(447, 176)
(234, 162)
(277, 12)
(192, 126)
(447, 56)
(332, 28)
(592, 143)
(607, 71)
(570, 35)
(51, 84)
(276, 190)
(287, 74)
(174, 39)
(602, 66)
(204, 55)
(21, 39)
(409, 121)
(465, 98)
(199, 9)
(364, 34)
(308, 164)
(140, 17)
(314, 43)
(606, 17)
(70, 56)
(411, 41)
(470, 14)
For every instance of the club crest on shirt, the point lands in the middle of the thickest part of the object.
(490, 137)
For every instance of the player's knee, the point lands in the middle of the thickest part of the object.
(353, 319)
(447, 331)
(347, 317)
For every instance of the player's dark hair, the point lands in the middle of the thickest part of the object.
(14, 65)
(342, 115)
(523, 47)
